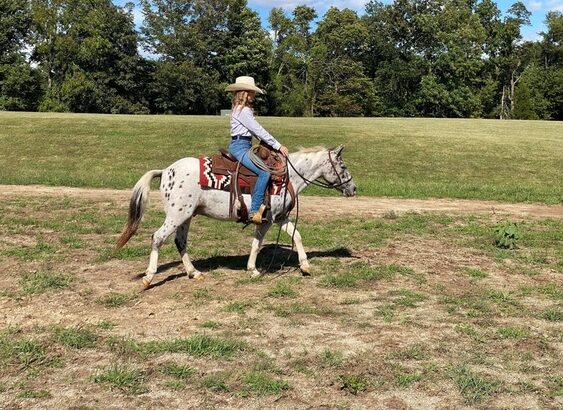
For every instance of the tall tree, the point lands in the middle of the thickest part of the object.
(20, 84)
(208, 41)
(341, 87)
(293, 90)
(88, 52)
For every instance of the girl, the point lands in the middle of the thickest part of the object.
(243, 127)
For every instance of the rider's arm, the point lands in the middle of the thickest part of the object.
(246, 118)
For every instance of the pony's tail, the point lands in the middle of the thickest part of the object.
(137, 205)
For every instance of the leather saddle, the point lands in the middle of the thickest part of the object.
(243, 179)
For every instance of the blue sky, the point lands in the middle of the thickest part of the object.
(538, 8)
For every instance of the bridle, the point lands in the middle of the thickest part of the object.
(321, 183)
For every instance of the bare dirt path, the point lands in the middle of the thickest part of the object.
(314, 206)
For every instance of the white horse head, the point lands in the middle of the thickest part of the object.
(183, 197)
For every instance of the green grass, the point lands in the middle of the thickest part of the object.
(198, 345)
(39, 282)
(123, 377)
(474, 388)
(179, 371)
(216, 382)
(353, 383)
(282, 290)
(75, 337)
(361, 272)
(262, 384)
(387, 156)
(115, 299)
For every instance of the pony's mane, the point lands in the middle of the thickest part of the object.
(318, 148)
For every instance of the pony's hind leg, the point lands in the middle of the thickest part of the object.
(157, 240)
(289, 227)
(181, 242)
(259, 235)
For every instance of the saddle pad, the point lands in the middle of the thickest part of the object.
(207, 179)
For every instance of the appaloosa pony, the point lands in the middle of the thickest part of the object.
(183, 197)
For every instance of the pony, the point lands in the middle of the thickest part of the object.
(183, 198)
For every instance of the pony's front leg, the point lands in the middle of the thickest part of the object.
(289, 227)
(259, 235)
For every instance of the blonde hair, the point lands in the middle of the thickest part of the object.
(240, 100)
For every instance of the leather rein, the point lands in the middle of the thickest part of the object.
(321, 183)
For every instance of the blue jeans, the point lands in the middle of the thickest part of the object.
(239, 149)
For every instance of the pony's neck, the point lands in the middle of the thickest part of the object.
(308, 164)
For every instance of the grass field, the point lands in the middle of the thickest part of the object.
(402, 311)
(512, 161)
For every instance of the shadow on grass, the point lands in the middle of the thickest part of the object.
(271, 259)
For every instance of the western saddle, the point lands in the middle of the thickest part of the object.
(243, 179)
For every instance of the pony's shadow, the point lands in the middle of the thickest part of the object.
(273, 258)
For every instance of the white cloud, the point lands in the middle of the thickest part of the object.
(534, 5)
(554, 5)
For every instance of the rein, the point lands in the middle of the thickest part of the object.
(321, 184)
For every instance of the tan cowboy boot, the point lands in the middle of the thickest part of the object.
(256, 218)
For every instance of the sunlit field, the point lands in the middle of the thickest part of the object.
(512, 161)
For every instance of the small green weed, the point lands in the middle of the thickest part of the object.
(261, 384)
(237, 307)
(210, 324)
(353, 383)
(476, 273)
(282, 290)
(553, 315)
(115, 299)
(38, 282)
(106, 325)
(408, 298)
(513, 332)
(472, 387)
(404, 379)
(34, 394)
(216, 382)
(414, 352)
(179, 371)
(125, 378)
(332, 358)
(506, 235)
(197, 345)
(76, 337)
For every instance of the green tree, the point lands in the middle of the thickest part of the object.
(20, 84)
(217, 40)
(340, 85)
(292, 87)
(88, 53)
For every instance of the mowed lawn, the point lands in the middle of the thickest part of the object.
(512, 161)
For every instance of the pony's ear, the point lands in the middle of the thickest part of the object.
(338, 150)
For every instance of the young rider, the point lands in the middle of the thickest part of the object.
(243, 127)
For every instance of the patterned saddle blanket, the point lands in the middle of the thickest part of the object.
(213, 174)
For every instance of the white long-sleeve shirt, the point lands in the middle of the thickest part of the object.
(243, 123)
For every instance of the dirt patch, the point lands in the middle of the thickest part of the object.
(387, 342)
(311, 206)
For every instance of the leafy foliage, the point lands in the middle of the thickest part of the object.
(507, 235)
(408, 58)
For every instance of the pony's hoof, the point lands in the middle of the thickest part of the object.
(146, 283)
(305, 270)
(255, 273)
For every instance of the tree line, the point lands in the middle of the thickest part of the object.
(433, 58)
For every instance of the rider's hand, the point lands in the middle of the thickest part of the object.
(284, 151)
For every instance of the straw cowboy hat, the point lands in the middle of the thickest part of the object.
(245, 83)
